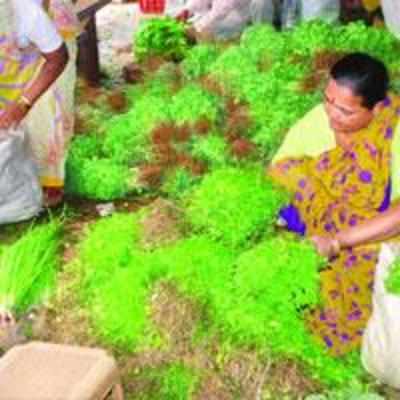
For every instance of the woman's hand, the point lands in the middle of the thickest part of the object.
(183, 16)
(326, 246)
(12, 115)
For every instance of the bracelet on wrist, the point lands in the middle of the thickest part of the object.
(23, 100)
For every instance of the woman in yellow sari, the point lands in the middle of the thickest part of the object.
(340, 187)
(37, 82)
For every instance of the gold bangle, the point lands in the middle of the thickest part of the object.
(25, 101)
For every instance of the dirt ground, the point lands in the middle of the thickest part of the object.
(224, 374)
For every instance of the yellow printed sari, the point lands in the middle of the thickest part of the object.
(334, 191)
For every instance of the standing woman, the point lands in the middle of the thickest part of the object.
(37, 80)
(350, 179)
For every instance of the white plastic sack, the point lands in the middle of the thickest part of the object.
(20, 192)
(391, 13)
(381, 341)
(327, 10)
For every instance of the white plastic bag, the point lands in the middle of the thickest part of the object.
(20, 192)
(381, 341)
(391, 12)
(327, 10)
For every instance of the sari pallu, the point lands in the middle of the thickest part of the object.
(49, 123)
(334, 191)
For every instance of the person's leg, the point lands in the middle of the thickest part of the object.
(262, 11)
(326, 10)
(290, 13)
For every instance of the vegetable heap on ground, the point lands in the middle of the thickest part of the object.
(222, 105)
(200, 133)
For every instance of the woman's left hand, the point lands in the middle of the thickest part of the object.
(12, 115)
(326, 246)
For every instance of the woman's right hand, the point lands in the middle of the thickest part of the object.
(12, 115)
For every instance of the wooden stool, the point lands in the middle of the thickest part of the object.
(45, 371)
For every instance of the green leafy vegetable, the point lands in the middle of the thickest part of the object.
(235, 205)
(161, 37)
(28, 268)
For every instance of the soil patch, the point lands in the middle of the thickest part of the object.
(161, 225)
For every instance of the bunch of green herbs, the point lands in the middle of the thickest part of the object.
(193, 103)
(198, 61)
(235, 205)
(178, 182)
(28, 268)
(164, 37)
(171, 382)
(263, 43)
(212, 148)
